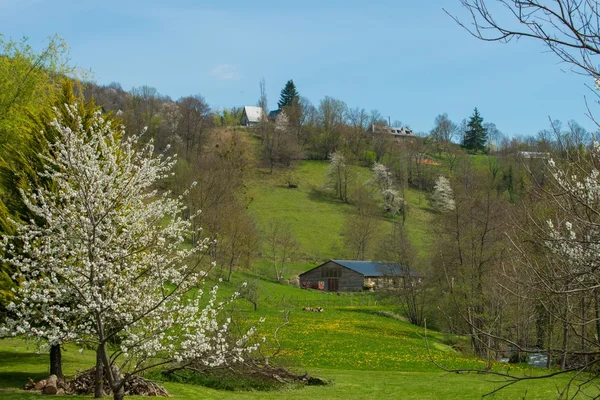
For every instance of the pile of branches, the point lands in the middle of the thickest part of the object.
(257, 370)
(83, 384)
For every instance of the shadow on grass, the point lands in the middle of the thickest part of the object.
(16, 380)
(322, 196)
(17, 367)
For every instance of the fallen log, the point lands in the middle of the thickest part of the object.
(51, 385)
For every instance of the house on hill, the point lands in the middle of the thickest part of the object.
(251, 115)
(353, 275)
(274, 114)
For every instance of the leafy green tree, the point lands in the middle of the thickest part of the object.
(22, 173)
(289, 95)
(29, 83)
(476, 134)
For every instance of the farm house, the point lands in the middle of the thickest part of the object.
(353, 275)
(251, 116)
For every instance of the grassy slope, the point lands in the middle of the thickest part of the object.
(367, 355)
(317, 218)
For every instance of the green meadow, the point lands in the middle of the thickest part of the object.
(360, 343)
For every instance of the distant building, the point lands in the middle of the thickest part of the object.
(533, 154)
(251, 115)
(274, 114)
(397, 133)
(354, 275)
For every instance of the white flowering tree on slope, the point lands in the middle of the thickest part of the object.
(392, 202)
(443, 195)
(107, 263)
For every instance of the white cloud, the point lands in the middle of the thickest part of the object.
(225, 72)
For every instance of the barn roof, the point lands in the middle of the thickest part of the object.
(372, 268)
(253, 113)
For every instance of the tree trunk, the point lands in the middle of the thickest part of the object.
(563, 361)
(118, 387)
(56, 361)
(99, 378)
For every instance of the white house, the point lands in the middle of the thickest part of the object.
(251, 115)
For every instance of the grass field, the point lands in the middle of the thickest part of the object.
(359, 343)
(363, 354)
(365, 350)
(317, 218)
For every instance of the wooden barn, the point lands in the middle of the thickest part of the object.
(353, 275)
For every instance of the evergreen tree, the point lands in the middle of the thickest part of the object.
(475, 135)
(289, 95)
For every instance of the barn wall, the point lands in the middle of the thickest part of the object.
(351, 281)
(311, 278)
(348, 281)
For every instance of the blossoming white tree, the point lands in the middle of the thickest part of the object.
(340, 176)
(392, 202)
(106, 263)
(443, 196)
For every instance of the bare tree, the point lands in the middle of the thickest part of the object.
(355, 135)
(360, 225)
(281, 245)
(341, 175)
(493, 135)
(400, 258)
(471, 244)
(195, 121)
(262, 100)
(381, 141)
(444, 130)
(279, 146)
(332, 113)
(569, 28)
(236, 240)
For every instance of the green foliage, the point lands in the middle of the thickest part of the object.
(289, 95)
(476, 135)
(229, 117)
(30, 83)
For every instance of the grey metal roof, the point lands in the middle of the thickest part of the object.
(375, 268)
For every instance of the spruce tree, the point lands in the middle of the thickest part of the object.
(289, 95)
(475, 135)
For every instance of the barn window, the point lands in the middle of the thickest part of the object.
(331, 272)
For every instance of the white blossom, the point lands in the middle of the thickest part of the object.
(443, 195)
(383, 179)
(107, 261)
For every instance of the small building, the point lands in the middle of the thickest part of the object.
(251, 115)
(354, 275)
(534, 154)
(274, 114)
(397, 133)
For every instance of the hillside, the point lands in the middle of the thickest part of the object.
(316, 217)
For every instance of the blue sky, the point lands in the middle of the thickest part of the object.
(407, 59)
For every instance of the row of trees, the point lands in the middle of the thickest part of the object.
(517, 241)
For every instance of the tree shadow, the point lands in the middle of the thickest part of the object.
(13, 364)
(322, 196)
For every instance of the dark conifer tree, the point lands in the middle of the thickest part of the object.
(289, 95)
(475, 135)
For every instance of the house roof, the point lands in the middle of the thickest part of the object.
(274, 114)
(372, 268)
(253, 113)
